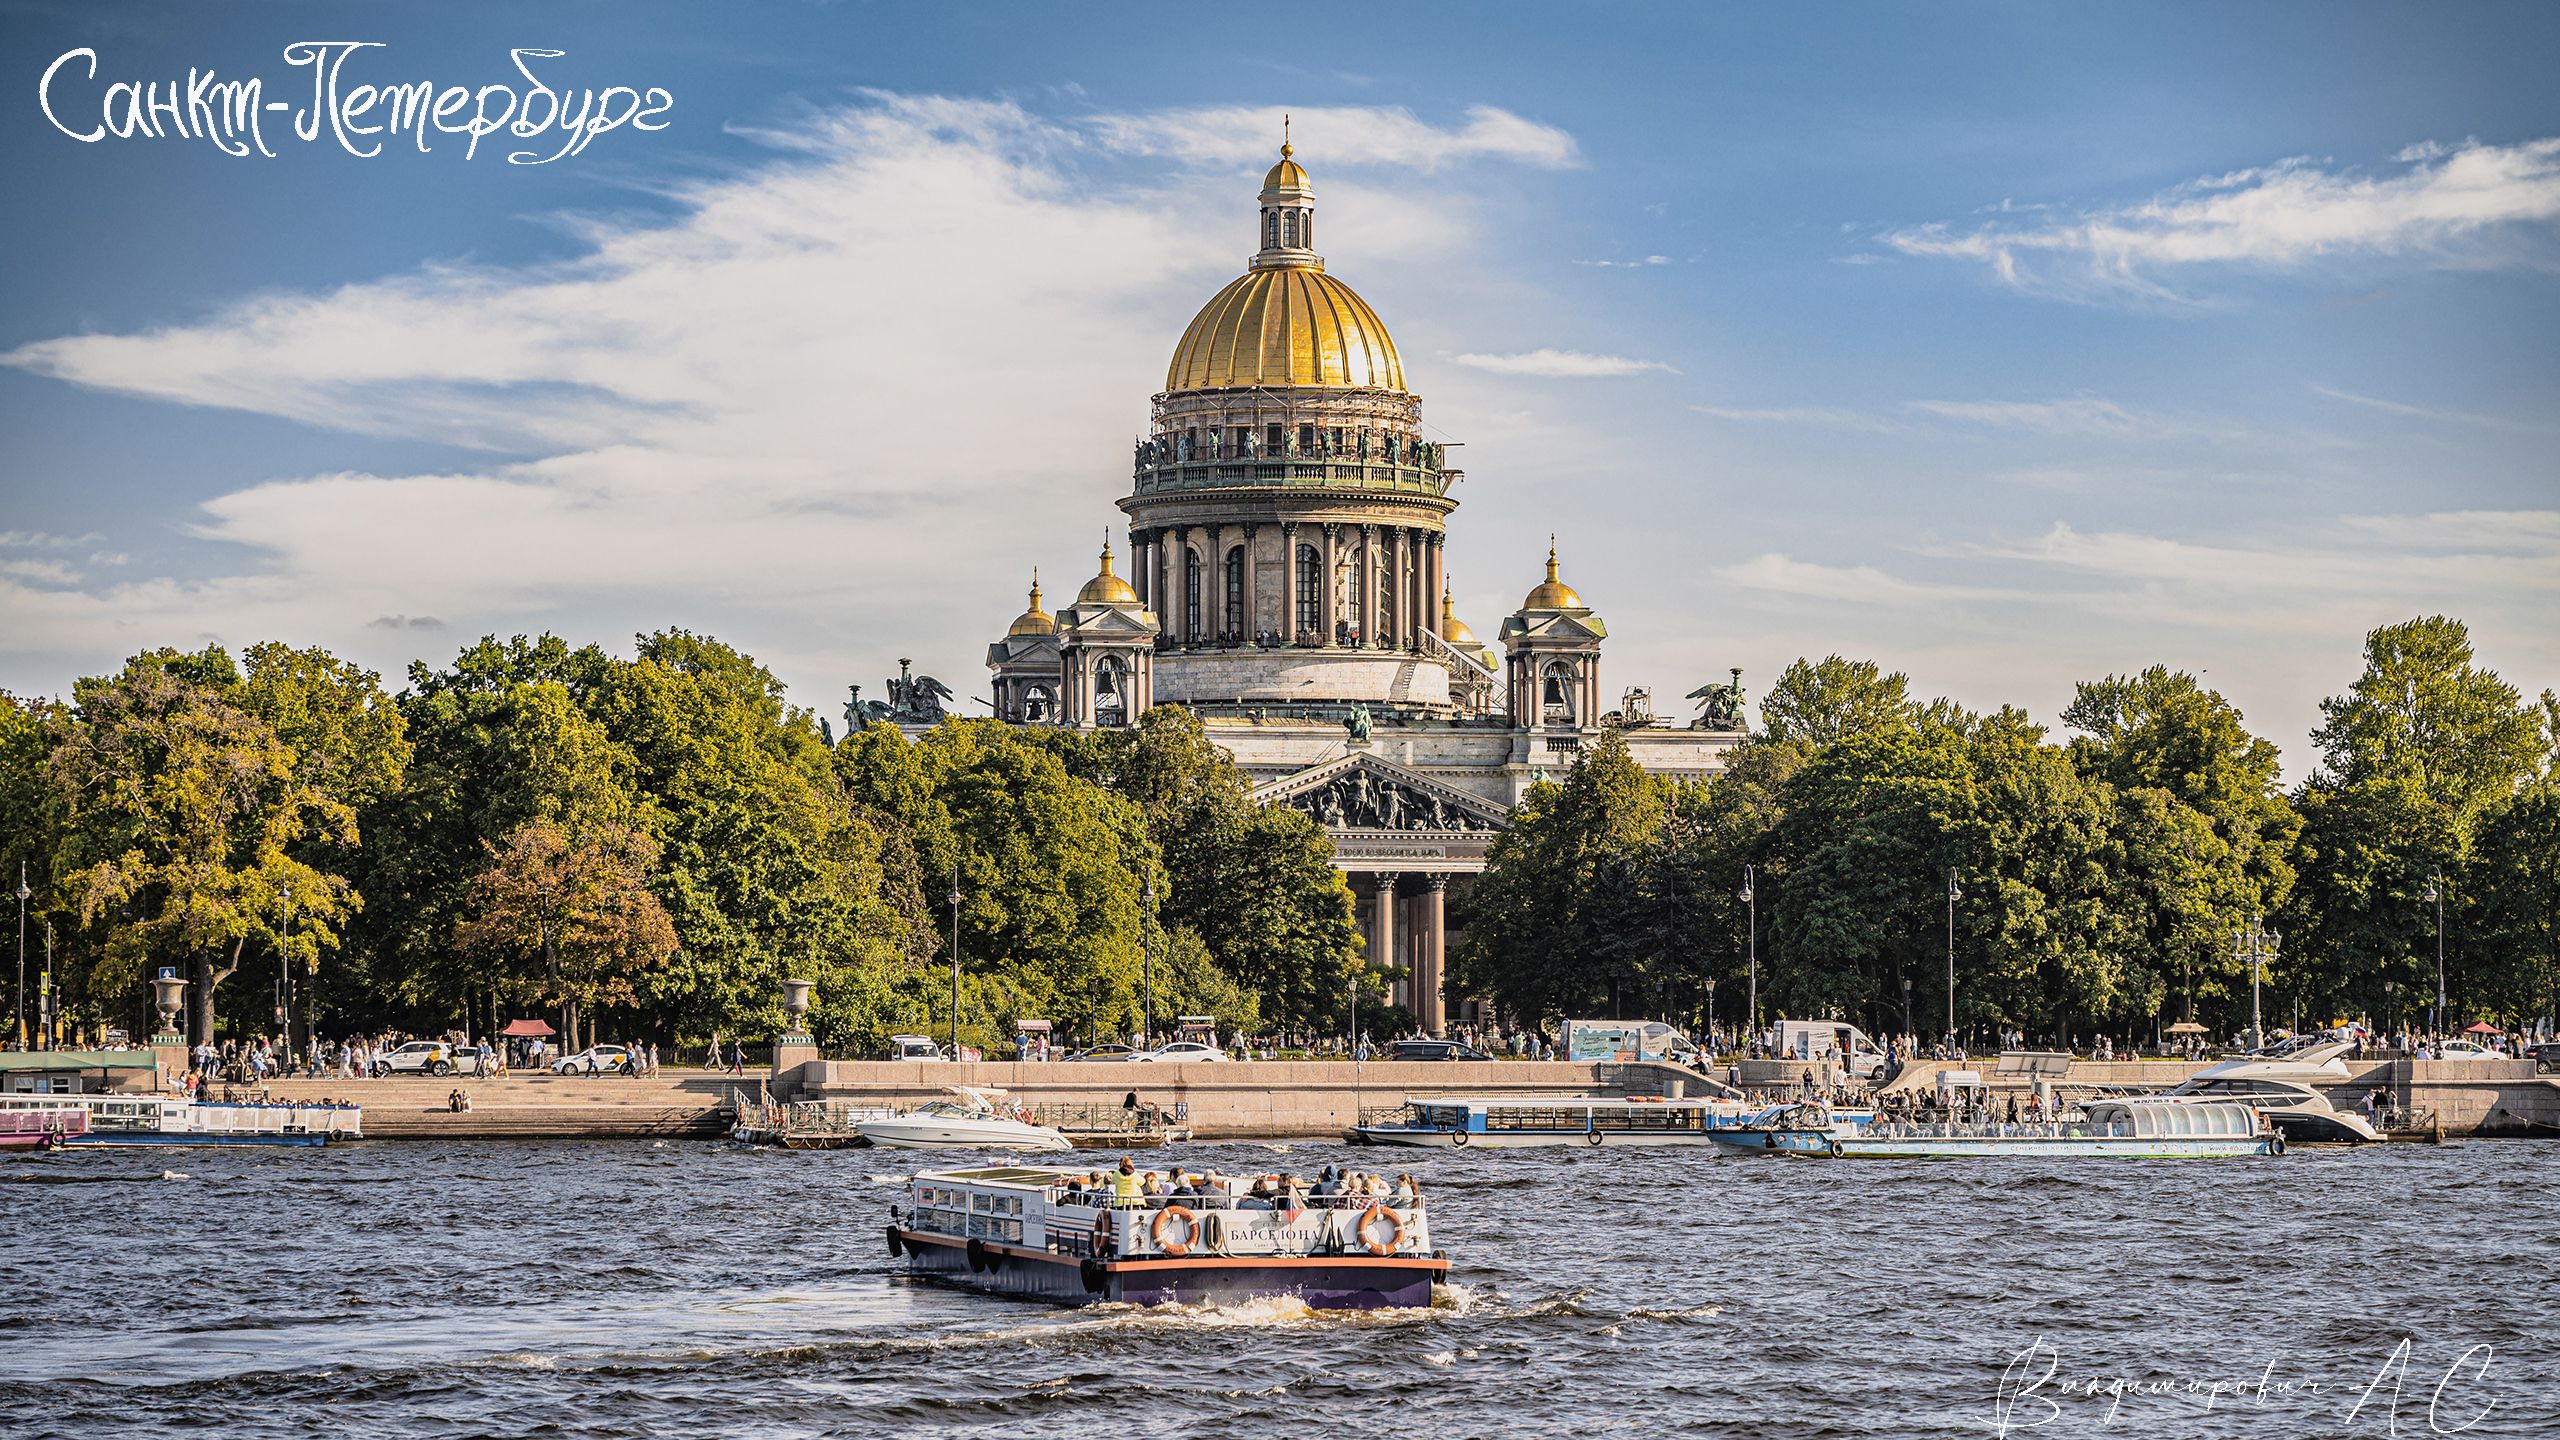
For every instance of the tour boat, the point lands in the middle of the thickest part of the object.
(115, 1119)
(31, 1129)
(969, 1122)
(2154, 1129)
(1516, 1122)
(1015, 1230)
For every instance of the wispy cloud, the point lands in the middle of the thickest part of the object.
(2445, 203)
(1336, 135)
(1830, 415)
(1640, 264)
(1856, 584)
(2423, 412)
(1561, 364)
(2085, 417)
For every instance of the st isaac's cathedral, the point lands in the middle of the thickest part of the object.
(1287, 581)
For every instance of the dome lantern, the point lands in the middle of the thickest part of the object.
(1553, 593)
(1288, 214)
(1034, 621)
(1106, 588)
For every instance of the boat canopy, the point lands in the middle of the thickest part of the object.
(2152, 1119)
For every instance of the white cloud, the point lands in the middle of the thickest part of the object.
(2421, 412)
(1560, 364)
(809, 411)
(1856, 584)
(1335, 135)
(2447, 203)
(1646, 262)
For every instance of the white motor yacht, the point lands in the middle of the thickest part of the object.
(2289, 1086)
(969, 1121)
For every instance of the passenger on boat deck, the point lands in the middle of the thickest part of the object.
(1406, 1196)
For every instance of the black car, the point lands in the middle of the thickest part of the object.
(1434, 1050)
(2544, 1057)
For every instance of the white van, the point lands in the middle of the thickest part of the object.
(913, 1047)
(1837, 1041)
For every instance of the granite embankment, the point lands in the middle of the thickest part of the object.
(1243, 1101)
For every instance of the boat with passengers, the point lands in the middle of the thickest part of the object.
(120, 1119)
(1510, 1122)
(1056, 1233)
(46, 1129)
(2148, 1129)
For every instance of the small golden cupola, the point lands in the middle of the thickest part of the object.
(1453, 629)
(1106, 588)
(1034, 621)
(1553, 594)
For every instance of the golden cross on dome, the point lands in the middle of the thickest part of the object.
(1285, 151)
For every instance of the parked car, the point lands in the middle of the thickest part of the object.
(1177, 1052)
(1434, 1050)
(1108, 1050)
(2545, 1056)
(914, 1047)
(594, 1060)
(2465, 1050)
(428, 1057)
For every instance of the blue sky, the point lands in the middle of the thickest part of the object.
(2006, 345)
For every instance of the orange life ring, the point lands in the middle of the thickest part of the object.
(1375, 1213)
(1190, 1231)
(1102, 1231)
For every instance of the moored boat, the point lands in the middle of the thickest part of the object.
(968, 1121)
(1518, 1122)
(2147, 1129)
(2290, 1088)
(121, 1119)
(44, 1129)
(1021, 1230)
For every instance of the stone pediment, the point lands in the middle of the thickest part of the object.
(1111, 621)
(1360, 792)
(1555, 627)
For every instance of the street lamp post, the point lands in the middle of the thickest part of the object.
(2435, 892)
(1751, 929)
(48, 1006)
(284, 976)
(18, 997)
(1954, 893)
(2257, 945)
(955, 963)
(1147, 981)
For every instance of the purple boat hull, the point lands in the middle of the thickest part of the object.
(1323, 1282)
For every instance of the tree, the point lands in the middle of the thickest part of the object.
(582, 906)
(2360, 931)
(175, 808)
(1820, 703)
(1255, 883)
(2513, 882)
(2422, 712)
(1556, 923)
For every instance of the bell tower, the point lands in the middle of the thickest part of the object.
(1551, 657)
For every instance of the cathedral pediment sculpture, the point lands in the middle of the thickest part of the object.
(1366, 797)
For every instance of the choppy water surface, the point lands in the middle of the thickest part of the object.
(692, 1289)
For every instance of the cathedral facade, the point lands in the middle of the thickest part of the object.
(1287, 581)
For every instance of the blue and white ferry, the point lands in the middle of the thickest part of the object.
(1517, 1122)
(2146, 1129)
(117, 1119)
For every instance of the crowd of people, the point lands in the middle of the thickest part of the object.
(1130, 1188)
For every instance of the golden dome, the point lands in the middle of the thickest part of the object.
(1554, 594)
(1292, 325)
(1106, 588)
(1034, 621)
(1286, 175)
(1453, 629)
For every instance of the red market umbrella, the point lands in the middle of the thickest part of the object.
(533, 1028)
(2483, 1027)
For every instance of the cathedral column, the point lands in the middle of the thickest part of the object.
(1142, 565)
(1435, 581)
(1332, 615)
(1213, 584)
(1181, 591)
(1288, 582)
(1164, 585)
(1382, 921)
(1400, 608)
(1251, 620)
(1429, 1005)
(1365, 610)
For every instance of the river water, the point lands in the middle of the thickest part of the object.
(692, 1289)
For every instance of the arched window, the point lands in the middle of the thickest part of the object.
(1310, 588)
(1035, 705)
(1191, 595)
(1110, 692)
(1290, 227)
(1270, 229)
(1555, 694)
(1233, 622)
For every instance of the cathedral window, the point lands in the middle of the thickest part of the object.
(1310, 588)
(1233, 622)
(1290, 227)
(1190, 595)
(1271, 441)
(1270, 229)
(1306, 439)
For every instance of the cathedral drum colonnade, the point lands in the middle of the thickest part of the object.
(1287, 581)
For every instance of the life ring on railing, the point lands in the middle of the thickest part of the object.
(2279, 1143)
(1190, 1231)
(1644, 1099)
(1835, 1147)
(1372, 1215)
(1102, 1231)
(1458, 1138)
(1593, 1139)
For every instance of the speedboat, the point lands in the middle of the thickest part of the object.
(2289, 1087)
(968, 1121)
